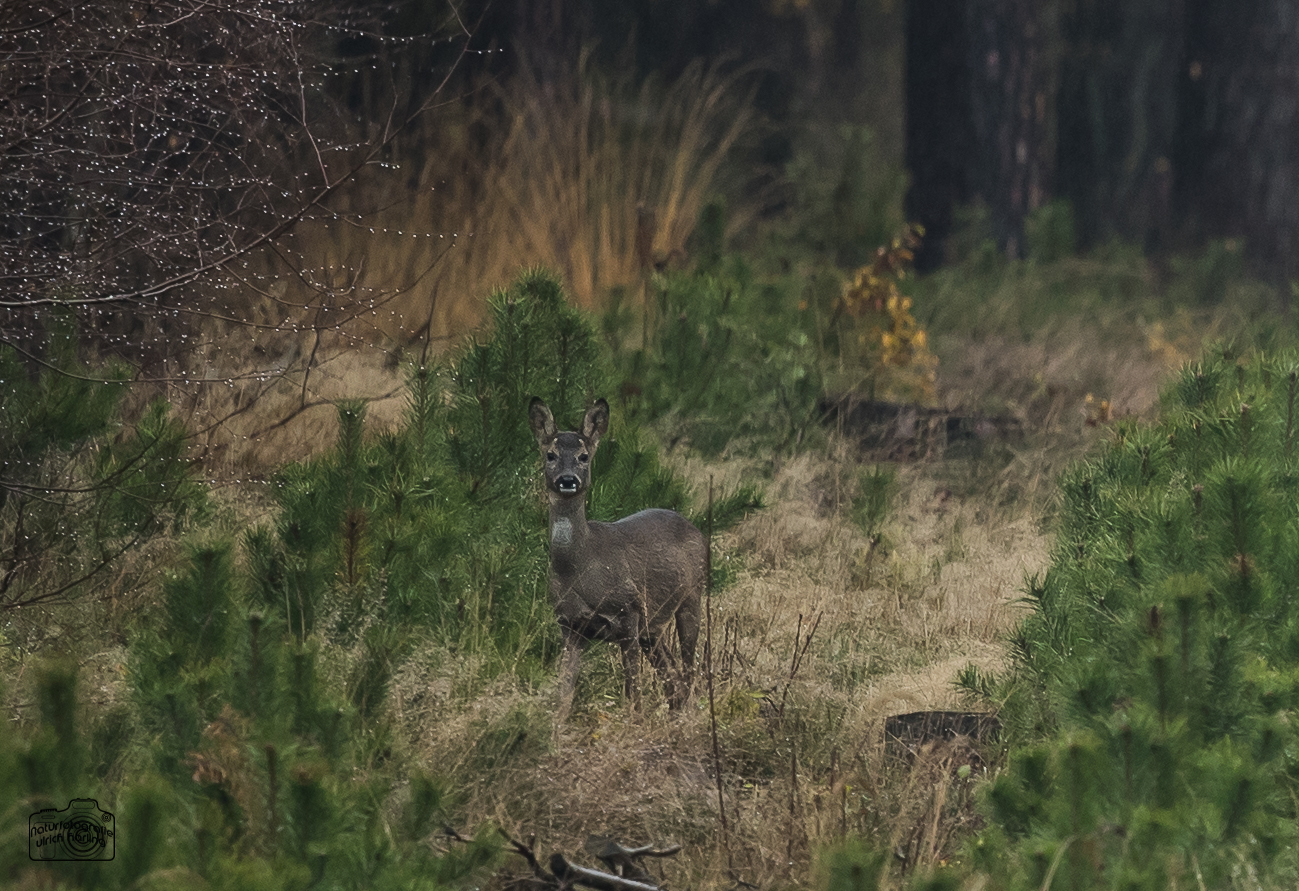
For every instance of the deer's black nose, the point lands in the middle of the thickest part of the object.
(567, 484)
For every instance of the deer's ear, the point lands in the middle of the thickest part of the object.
(596, 422)
(541, 420)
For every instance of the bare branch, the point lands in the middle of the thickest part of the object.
(149, 147)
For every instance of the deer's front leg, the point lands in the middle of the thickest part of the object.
(688, 637)
(630, 643)
(631, 673)
(569, 660)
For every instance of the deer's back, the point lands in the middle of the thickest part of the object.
(656, 554)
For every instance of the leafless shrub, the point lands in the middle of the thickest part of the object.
(152, 149)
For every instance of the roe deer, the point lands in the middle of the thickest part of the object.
(621, 582)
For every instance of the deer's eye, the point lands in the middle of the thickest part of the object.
(583, 458)
(551, 456)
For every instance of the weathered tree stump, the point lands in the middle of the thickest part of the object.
(905, 430)
(916, 728)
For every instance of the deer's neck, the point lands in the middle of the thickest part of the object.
(568, 530)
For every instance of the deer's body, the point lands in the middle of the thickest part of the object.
(624, 582)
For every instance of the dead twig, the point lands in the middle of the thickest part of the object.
(709, 666)
(800, 652)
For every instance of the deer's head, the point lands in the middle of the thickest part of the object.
(566, 455)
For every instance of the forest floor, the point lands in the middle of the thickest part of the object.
(823, 633)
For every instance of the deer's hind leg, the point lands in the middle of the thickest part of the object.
(660, 655)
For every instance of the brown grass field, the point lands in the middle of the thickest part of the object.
(820, 639)
(821, 636)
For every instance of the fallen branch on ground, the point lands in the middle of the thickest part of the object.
(625, 870)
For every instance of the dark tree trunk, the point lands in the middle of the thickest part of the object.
(1250, 66)
(1122, 76)
(981, 89)
(1012, 48)
(938, 126)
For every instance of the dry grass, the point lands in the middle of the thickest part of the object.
(600, 179)
(255, 409)
(820, 638)
(810, 658)
(1044, 381)
(595, 177)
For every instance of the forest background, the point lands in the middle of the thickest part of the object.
(988, 303)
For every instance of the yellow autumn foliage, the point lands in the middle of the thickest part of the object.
(894, 346)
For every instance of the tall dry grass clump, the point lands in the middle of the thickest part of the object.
(598, 176)
(601, 177)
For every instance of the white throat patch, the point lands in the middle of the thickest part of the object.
(561, 532)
